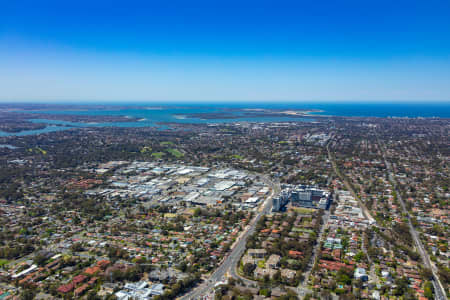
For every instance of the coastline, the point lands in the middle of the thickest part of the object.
(23, 119)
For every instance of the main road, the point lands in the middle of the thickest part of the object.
(365, 211)
(229, 264)
(438, 288)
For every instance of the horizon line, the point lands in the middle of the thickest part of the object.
(162, 102)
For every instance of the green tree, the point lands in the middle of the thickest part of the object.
(27, 294)
(197, 212)
(248, 269)
(428, 290)
(40, 259)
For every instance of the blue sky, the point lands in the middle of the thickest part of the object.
(225, 50)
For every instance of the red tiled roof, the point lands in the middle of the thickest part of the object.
(295, 254)
(103, 263)
(93, 280)
(79, 279)
(92, 270)
(333, 265)
(66, 288)
(81, 289)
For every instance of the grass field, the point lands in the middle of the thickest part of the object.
(158, 154)
(146, 149)
(175, 152)
(3, 262)
(299, 229)
(166, 143)
(303, 210)
(262, 264)
(170, 215)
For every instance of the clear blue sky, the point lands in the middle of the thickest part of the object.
(173, 50)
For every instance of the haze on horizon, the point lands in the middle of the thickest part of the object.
(225, 51)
